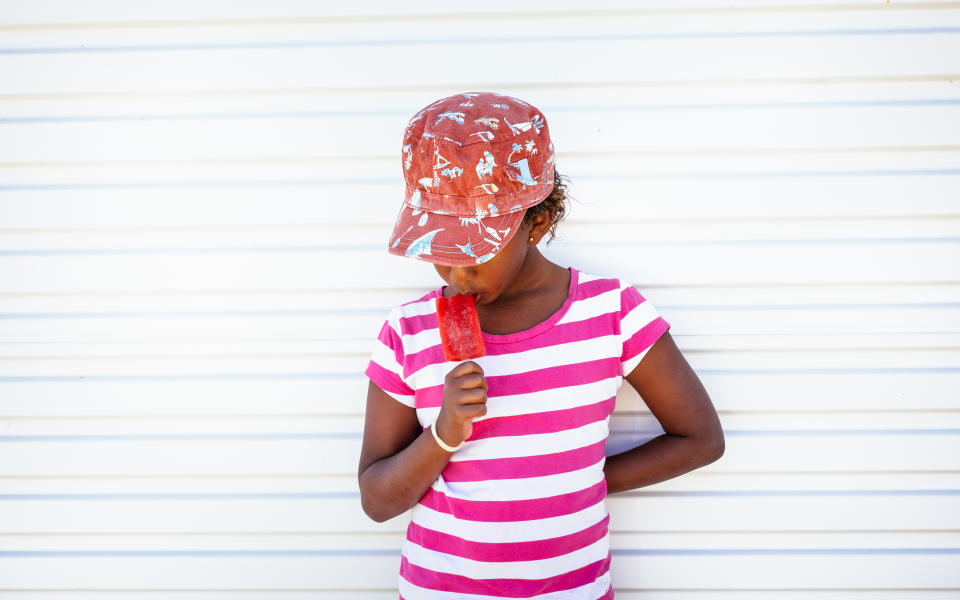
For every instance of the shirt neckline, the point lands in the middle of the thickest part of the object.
(504, 338)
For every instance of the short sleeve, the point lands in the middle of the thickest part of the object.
(640, 326)
(385, 366)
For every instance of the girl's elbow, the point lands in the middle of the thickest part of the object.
(378, 505)
(720, 448)
(710, 448)
(368, 501)
(376, 510)
(717, 446)
(374, 513)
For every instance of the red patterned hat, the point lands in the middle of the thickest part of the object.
(473, 163)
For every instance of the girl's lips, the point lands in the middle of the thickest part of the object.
(454, 291)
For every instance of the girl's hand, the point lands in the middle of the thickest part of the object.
(464, 399)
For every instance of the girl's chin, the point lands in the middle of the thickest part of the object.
(485, 298)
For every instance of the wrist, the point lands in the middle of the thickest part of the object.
(439, 440)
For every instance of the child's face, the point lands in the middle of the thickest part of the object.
(490, 279)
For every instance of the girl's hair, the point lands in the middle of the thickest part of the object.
(554, 205)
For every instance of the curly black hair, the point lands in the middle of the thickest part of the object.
(554, 205)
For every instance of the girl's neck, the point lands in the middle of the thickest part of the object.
(538, 291)
(536, 275)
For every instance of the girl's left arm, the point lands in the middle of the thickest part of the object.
(693, 435)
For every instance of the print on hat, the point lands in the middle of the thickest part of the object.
(472, 165)
(485, 167)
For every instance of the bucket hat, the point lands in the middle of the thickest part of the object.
(472, 164)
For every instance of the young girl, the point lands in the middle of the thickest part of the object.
(501, 457)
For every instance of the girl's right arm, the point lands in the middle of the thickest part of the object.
(399, 460)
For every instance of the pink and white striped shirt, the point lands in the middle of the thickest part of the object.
(520, 511)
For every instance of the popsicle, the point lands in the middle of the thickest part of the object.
(459, 327)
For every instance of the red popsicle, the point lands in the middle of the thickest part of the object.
(460, 327)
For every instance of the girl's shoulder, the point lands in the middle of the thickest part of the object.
(593, 284)
(413, 315)
(414, 305)
(587, 277)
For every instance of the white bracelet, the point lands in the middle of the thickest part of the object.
(444, 445)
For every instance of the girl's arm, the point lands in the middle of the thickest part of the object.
(399, 460)
(693, 435)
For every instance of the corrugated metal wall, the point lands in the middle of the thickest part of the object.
(194, 205)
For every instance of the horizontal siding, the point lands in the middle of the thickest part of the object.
(789, 263)
(771, 570)
(776, 522)
(925, 448)
(188, 292)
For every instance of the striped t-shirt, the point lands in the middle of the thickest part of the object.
(520, 510)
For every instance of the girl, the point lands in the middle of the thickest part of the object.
(501, 457)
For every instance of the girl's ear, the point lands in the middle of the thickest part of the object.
(540, 225)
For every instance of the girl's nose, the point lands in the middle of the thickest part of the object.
(461, 276)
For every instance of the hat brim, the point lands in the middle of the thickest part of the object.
(450, 239)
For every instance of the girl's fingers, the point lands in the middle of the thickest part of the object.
(477, 410)
(473, 396)
(473, 380)
(466, 387)
(464, 368)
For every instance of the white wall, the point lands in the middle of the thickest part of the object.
(194, 206)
